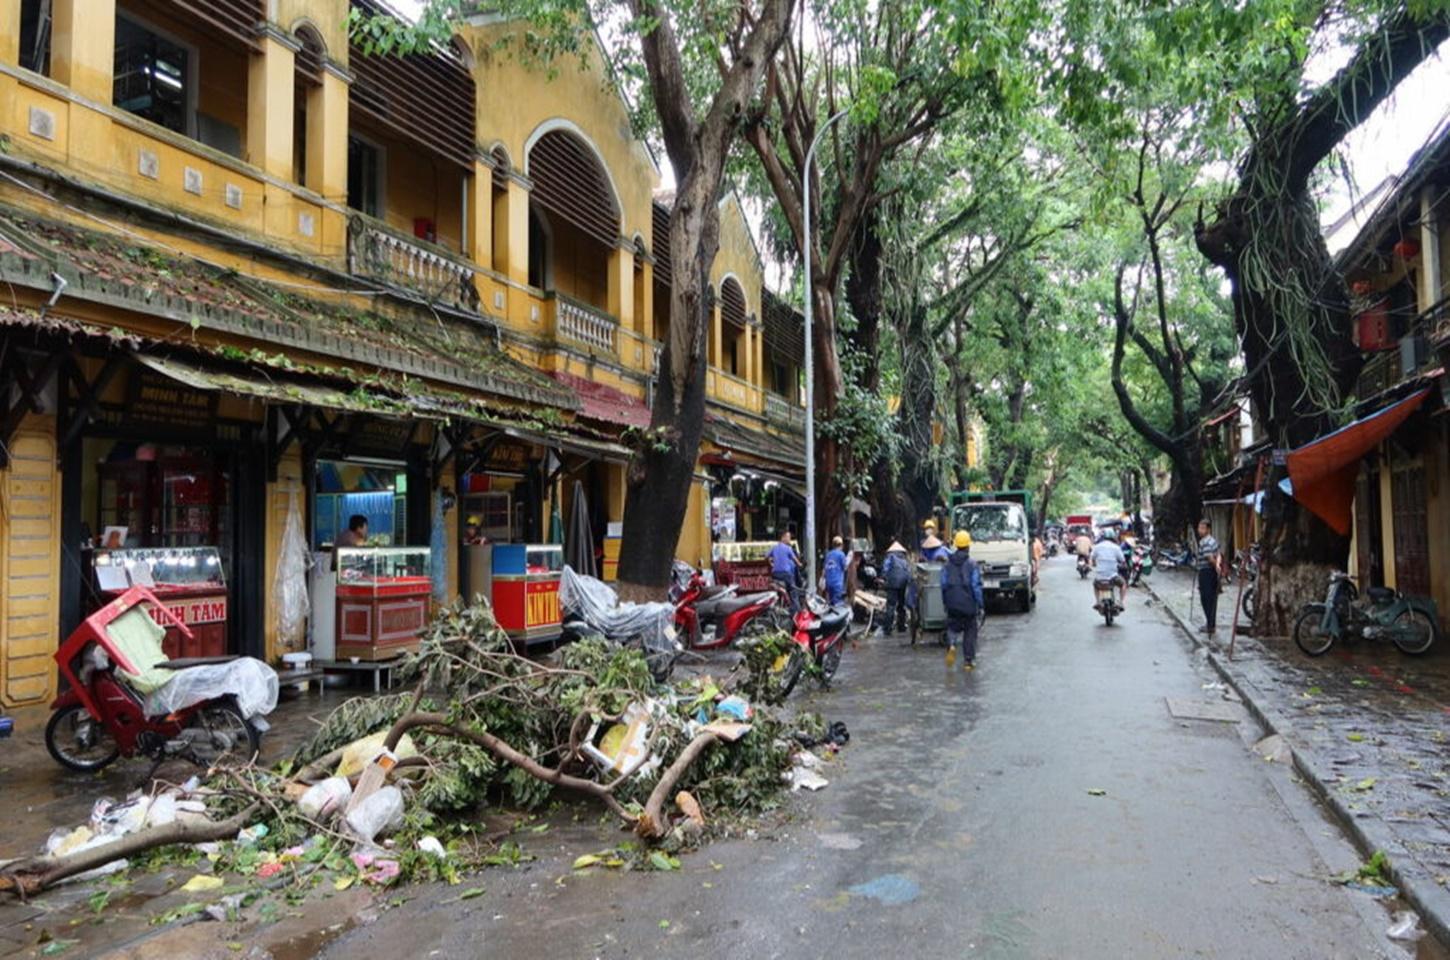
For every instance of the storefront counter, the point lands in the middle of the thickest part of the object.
(524, 588)
(189, 580)
(382, 600)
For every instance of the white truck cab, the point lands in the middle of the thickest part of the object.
(1002, 548)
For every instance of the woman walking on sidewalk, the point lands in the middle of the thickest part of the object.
(1209, 563)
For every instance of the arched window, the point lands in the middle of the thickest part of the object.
(576, 204)
(732, 320)
(306, 98)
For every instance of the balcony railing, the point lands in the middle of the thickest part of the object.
(376, 251)
(585, 324)
(780, 410)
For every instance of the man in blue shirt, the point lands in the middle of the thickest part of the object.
(835, 572)
(961, 583)
(785, 568)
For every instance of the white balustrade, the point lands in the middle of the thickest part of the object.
(583, 324)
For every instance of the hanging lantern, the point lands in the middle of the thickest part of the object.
(1372, 328)
(1407, 249)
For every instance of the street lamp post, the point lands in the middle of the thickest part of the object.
(810, 538)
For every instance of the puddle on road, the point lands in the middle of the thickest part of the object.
(892, 889)
(304, 946)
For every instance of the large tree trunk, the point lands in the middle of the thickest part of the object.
(832, 458)
(663, 464)
(1290, 307)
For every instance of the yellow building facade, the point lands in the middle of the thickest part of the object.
(259, 275)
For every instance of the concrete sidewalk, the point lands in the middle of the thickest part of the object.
(1369, 727)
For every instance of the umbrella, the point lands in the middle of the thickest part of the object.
(579, 538)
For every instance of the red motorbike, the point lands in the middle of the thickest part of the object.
(820, 637)
(709, 617)
(101, 716)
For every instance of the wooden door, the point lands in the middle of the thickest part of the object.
(1412, 540)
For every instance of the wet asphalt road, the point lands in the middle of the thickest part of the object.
(959, 823)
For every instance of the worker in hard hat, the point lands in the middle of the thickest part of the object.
(961, 583)
(473, 531)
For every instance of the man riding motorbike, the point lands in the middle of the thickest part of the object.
(1107, 560)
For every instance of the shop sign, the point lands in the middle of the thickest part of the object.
(159, 399)
(190, 612)
(382, 436)
(541, 605)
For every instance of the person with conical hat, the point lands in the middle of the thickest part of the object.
(932, 549)
(895, 576)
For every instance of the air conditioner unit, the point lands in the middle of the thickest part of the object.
(1414, 352)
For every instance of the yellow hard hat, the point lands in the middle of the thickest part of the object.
(962, 540)
(929, 525)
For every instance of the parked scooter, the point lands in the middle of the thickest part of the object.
(820, 637)
(103, 714)
(1106, 600)
(1141, 565)
(592, 609)
(1410, 623)
(708, 618)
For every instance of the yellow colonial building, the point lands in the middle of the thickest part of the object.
(258, 283)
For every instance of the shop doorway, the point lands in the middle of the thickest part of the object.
(175, 513)
(375, 490)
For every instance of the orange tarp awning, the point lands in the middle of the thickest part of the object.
(1323, 471)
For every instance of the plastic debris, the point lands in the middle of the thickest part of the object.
(375, 869)
(358, 754)
(735, 707)
(621, 748)
(324, 799)
(1405, 926)
(432, 845)
(202, 883)
(804, 778)
(163, 811)
(252, 834)
(380, 813)
(690, 807)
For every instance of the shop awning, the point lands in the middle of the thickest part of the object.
(280, 390)
(599, 401)
(277, 388)
(1323, 471)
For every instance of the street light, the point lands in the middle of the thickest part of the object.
(810, 538)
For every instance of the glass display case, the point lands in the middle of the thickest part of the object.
(381, 566)
(189, 580)
(745, 564)
(523, 587)
(382, 596)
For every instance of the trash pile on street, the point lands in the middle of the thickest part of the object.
(395, 787)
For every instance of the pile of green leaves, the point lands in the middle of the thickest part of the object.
(476, 678)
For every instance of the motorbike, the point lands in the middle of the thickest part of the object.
(1105, 600)
(820, 637)
(1411, 623)
(1171, 556)
(7, 726)
(1083, 567)
(1140, 567)
(709, 617)
(1247, 566)
(102, 714)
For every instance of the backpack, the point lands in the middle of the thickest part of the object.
(957, 595)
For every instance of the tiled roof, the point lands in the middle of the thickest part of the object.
(599, 401)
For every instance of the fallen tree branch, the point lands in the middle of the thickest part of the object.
(651, 823)
(505, 752)
(28, 877)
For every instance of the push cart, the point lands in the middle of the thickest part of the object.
(928, 613)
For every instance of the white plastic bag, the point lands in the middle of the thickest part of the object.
(380, 813)
(250, 681)
(289, 583)
(324, 799)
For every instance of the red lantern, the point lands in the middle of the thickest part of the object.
(1407, 249)
(1372, 328)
